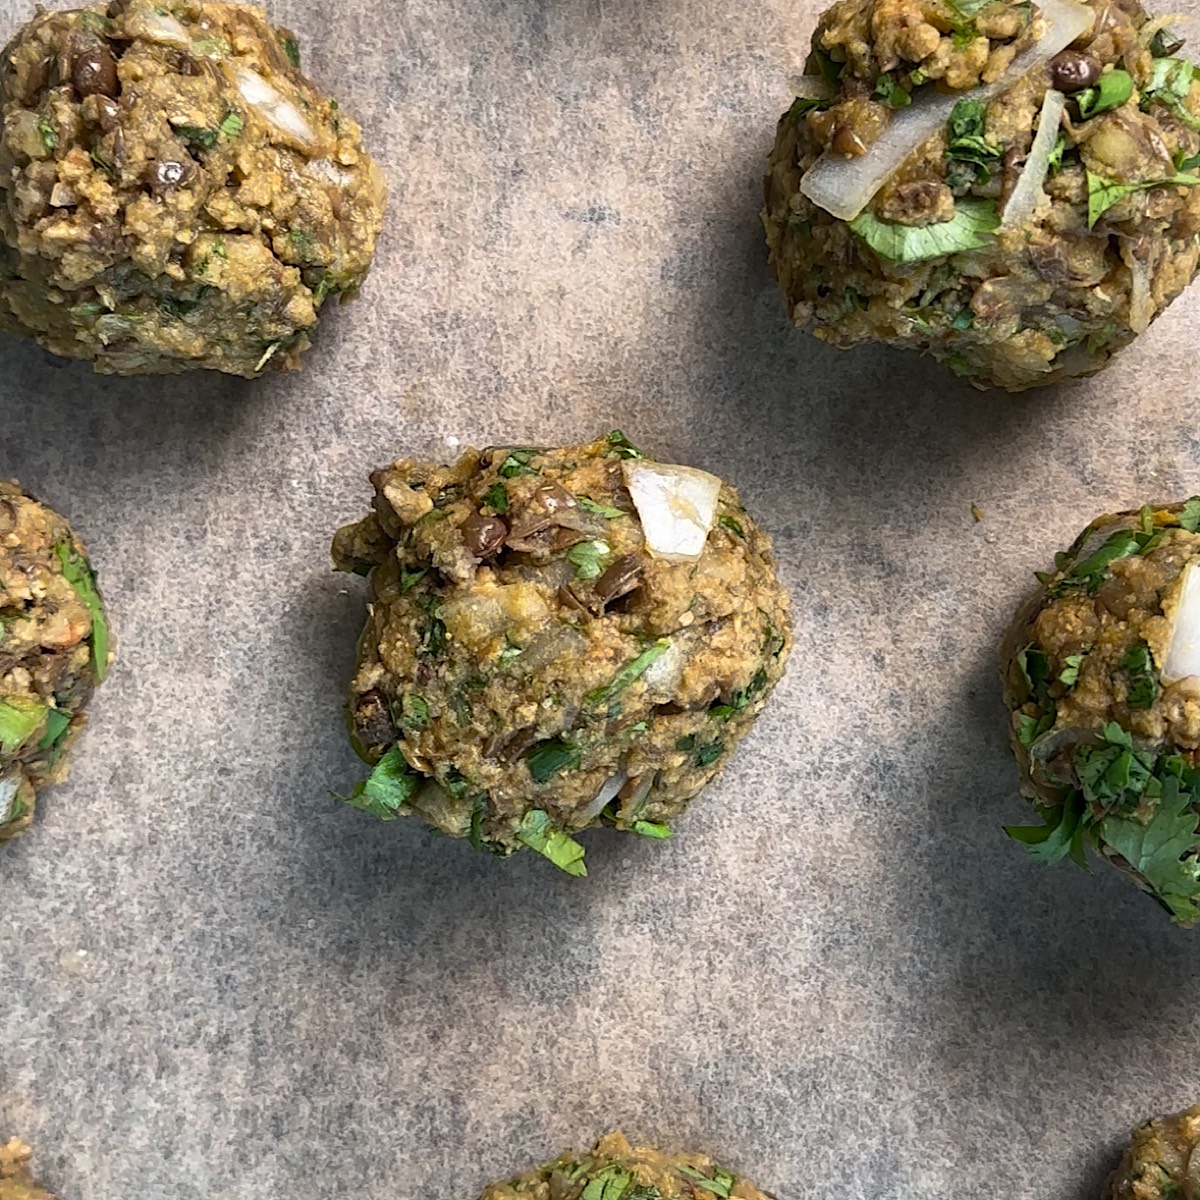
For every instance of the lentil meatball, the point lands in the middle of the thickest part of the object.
(1158, 1162)
(16, 1183)
(557, 639)
(615, 1170)
(1102, 681)
(174, 194)
(54, 649)
(1015, 260)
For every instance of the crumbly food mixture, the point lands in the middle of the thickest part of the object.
(16, 1183)
(174, 194)
(1158, 1163)
(54, 649)
(530, 668)
(1110, 241)
(615, 1170)
(1109, 750)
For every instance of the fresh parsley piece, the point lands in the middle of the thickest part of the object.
(20, 718)
(496, 498)
(1034, 664)
(965, 140)
(1069, 675)
(79, 575)
(517, 463)
(94, 22)
(720, 1184)
(207, 138)
(1189, 517)
(1113, 90)
(410, 579)
(707, 755)
(652, 829)
(622, 446)
(733, 527)
(803, 105)
(1029, 729)
(970, 229)
(588, 558)
(48, 134)
(231, 126)
(57, 725)
(609, 1184)
(509, 655)
(891, 93)
(1163, 849)
(1092, 571)
(1060, 834)
(291, 47)
(1138, 664)
(390, 786)
(631, 671)
(821, 64)
(1170, 84)
(548, 758)
(414, 712)
(600, 510)
(1104, 193)
(1055, 161)
(564, 852)
(964, 319)
(303, 244)
(212, 47)
(740, 700)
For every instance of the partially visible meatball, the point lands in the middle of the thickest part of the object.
(615, 1170)
(54, 649)
(1101, 674)
(1158, 1165)
(557, 639)
(1043, 210)
(174, 194)
(16, 1183)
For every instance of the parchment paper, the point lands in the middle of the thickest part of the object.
(218, 983)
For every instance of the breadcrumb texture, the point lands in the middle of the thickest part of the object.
(174, 193)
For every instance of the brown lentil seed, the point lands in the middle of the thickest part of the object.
(483, 536)
(94, 72)
(1072, 71)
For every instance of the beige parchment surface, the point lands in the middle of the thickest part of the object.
(217, 983)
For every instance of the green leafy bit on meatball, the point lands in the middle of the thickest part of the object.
(557, 639)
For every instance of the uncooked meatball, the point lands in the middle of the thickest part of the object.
(54, 649)
(557, 639)
(1158, 1165)
(174, 194)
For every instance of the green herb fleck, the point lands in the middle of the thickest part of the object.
(57, 725)
(1061, 832)
(232, 125)
(970, 229)
(414, 712)
(212, 47)
(588, 558)
(1104, 193)
(410, 579)
(1170, 84)
(496, 498)
(1113, 90)
(1189, 517)
(564, 852)
(48, 133)
(891, 93)
(622, 446)
(707, 755)
(600, 510)
(548, 758)
(1055, 161)
(303, 244)
(966, 141)
(94, 22)
(80, 576)
(1029, 729)
(517, 463)
(1138, 664)
(721, 1183)
(631, 671)
(820, 63)
(20, 718)
(652, 829)
(388, 789)
(1069, 675)
(291, 47)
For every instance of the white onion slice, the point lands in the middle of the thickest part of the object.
(676, 505)
(1024, 199)
(1183, 654)
(844, 186)
(273, 107)
(664, 673)
(603, 797)
(141, 21)
(9, 786)
(1141, 302)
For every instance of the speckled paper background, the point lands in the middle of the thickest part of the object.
(217, 983)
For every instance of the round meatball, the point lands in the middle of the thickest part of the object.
(54, 649)
(1013, 192)
(614, 1170)
(557, 639)
(1101, 673)
(174, 194)
(16, 1183)
(1158, 1165)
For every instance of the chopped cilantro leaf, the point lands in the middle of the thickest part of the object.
(970, 229)
(1138, 664)
(1029, 729)
(964, 319)
(291, 47)
(630, 672)
(1055, 161)
(599, 510)
(232, 125)
(548, 758)
(588, 557)
(1170, 84)
(1189, 517)
(496, 498)
(212, 47)
(608, 1184)
(79, 575)
(720, 1184)
(1060, 834)
(1104, 193)
(622, 446)
(517, 463)
(891, 93)
(966, 142)
(821, 64)
(414, 712)
(1092, 571)
(803, 105)
(707, 755)
(48, 134)
(1113, 89)
(734, 527)
(20, 718)
(57, 725)
(564, 852)
(1069, 675)
(410, 579)
(652, 829)
(389, 787)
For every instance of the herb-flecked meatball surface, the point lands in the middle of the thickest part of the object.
(174, 194)
(1101, 673)
(557, 639)
(615, 1170)
(16, 1183)
(1158, 1163)
(1010, 188)
(54, 649)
